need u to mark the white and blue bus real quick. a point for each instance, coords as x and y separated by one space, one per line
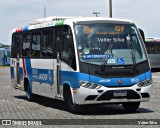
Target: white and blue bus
4 57
82 61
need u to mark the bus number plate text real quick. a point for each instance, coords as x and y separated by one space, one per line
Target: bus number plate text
120 93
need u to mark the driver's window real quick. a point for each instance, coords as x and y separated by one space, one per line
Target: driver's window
67 51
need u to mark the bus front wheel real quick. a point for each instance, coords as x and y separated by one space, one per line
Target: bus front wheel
68 99
131 106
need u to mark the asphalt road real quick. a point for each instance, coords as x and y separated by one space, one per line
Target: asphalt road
14 106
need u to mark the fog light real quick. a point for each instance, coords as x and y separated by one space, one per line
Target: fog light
74 91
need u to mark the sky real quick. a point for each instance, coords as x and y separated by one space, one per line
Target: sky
17 13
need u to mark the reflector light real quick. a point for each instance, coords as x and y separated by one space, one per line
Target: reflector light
19 29
25 28
74 91
155 41
119 81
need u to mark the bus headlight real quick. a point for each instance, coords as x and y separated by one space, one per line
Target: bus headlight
89 85
145 83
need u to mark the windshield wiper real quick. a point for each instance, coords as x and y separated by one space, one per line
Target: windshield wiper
106 56
132 52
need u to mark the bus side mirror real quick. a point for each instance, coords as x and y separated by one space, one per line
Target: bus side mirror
142 34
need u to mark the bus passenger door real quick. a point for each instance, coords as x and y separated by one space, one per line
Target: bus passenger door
65 57
16 61
17 71
57 63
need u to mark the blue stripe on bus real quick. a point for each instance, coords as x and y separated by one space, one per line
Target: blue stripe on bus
39 75
42 76
74 77
21 72
112 82
12 72
28 67
148 75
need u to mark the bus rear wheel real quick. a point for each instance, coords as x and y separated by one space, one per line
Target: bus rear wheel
29 93
131 106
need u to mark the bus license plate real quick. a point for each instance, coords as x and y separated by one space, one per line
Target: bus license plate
120 93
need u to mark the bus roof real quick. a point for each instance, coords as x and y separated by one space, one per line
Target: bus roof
151 39
56 21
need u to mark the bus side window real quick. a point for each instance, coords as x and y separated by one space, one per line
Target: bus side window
68 52
17 43
26 45
13 47
47 43
36 41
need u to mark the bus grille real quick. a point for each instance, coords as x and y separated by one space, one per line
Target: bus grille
117 72
108 95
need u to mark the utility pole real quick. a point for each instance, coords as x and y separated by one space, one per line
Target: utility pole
44 12
96 13
110 8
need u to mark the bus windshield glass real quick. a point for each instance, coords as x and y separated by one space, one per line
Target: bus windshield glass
109 44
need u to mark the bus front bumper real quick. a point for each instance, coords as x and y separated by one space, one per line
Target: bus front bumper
112 95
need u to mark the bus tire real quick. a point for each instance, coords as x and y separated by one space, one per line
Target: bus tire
73 108
29 93
131 106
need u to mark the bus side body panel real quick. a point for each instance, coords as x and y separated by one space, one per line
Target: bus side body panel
154 60
40 74
42 77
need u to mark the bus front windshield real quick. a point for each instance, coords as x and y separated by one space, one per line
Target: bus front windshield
109 44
